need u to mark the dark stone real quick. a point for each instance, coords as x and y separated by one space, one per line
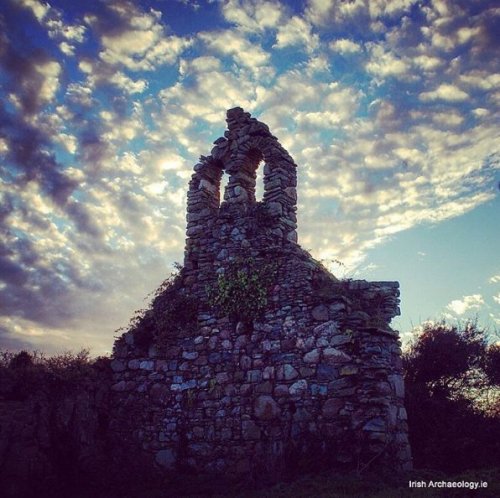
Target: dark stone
326 372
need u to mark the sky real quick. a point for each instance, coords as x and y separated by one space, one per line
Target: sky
390 109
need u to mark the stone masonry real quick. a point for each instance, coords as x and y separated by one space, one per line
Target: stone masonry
314 377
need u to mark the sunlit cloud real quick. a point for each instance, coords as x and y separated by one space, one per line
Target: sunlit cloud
390 110
467 303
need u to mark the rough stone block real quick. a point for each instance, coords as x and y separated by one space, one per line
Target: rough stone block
320 313
326 372
266 408
166 458
250 430
118 366
332 407
298 388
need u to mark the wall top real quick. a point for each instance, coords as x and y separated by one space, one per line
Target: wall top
247 144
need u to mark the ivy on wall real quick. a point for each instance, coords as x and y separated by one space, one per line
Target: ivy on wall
241 291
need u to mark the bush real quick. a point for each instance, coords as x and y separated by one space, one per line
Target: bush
172 312
23 374
452 391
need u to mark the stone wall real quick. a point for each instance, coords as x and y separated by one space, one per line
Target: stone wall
316 375
53 431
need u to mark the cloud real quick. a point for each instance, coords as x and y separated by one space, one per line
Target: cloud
445 91
495 279
296 32
255 15
32 80
345 46
39 9
466 304
360 12
232 44
384 63
151 47
497 298
52 19
97 151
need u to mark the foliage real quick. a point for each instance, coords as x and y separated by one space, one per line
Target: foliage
23 374
492 364
172 311
452 398
241 291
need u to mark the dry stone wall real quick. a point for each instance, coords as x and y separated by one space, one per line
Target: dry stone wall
313 377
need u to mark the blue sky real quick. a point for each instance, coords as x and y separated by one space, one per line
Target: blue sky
390 109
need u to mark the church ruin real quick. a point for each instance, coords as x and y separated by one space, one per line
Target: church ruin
255 358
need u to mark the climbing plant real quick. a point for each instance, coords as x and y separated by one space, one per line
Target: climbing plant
242 290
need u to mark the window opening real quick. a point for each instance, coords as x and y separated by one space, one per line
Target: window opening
224 182
259 182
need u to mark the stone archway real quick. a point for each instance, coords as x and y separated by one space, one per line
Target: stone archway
245 145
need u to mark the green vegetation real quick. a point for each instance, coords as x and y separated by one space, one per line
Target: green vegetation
242 291
172 312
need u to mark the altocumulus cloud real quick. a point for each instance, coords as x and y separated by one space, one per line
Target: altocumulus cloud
107 105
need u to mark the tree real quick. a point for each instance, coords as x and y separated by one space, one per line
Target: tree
452 381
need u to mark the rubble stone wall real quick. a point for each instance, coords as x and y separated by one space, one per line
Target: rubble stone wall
317 375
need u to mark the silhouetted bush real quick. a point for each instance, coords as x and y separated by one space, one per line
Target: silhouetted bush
22 374
452 398
172 312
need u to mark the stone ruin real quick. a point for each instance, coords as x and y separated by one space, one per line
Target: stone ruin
311 377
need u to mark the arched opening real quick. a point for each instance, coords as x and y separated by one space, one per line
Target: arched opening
224 184
259 181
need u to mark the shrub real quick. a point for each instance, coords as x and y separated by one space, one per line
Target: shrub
451 394
23 374
173 311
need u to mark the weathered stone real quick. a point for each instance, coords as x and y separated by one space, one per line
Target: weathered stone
312 356
250 430
118 366
298 388
133 364
166 458
320 313
289 372
332 407
334 356
339 340
281 390
254 376
326 372
265 408
327 329
375 424
349 370
268 373
397 384
319 389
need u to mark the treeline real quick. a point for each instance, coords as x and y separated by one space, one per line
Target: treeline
452 377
